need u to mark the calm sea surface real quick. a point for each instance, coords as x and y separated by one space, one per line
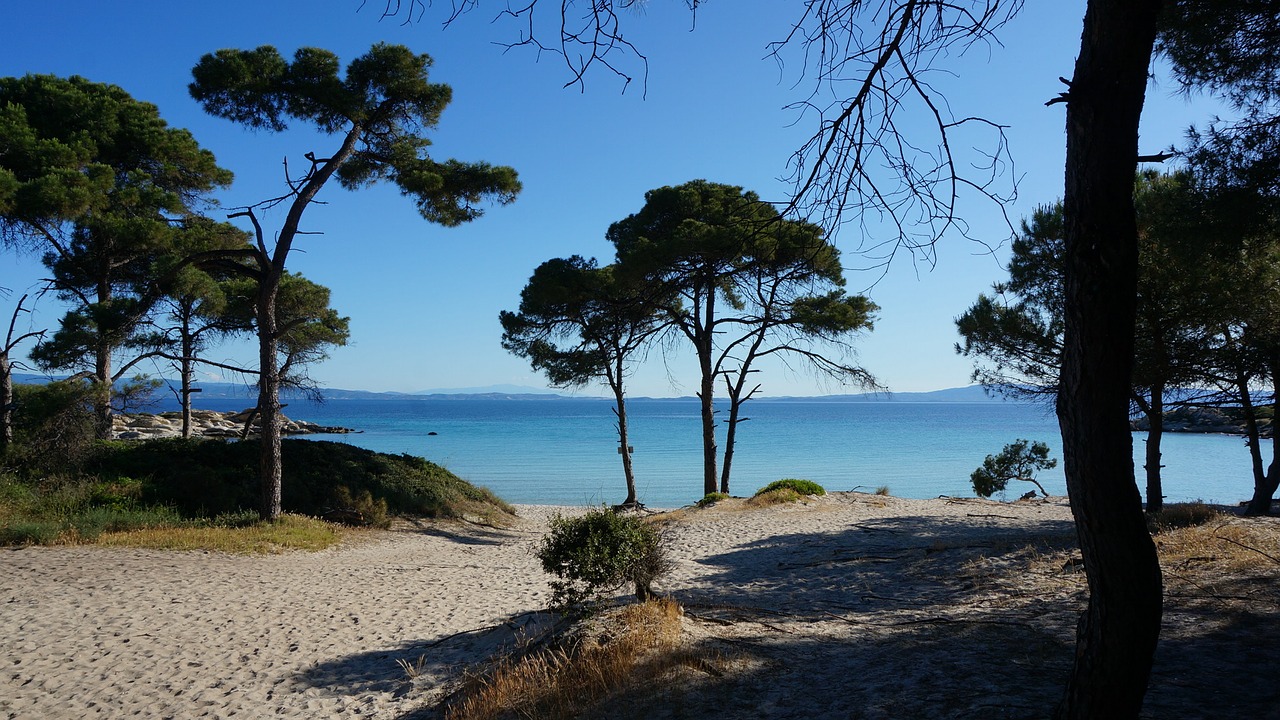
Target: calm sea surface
565 451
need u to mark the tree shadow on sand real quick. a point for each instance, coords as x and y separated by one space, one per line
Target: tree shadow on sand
424 669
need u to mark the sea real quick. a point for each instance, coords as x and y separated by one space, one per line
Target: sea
564 451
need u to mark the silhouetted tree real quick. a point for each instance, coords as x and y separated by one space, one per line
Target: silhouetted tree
578 323
379 112
743 283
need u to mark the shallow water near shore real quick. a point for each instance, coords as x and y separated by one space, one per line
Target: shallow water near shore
564 451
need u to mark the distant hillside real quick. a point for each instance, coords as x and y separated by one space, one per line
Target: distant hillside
973 393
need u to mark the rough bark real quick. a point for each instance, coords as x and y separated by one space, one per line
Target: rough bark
103 419
1117 634
270 466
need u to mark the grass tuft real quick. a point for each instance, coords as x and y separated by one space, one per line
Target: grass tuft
290 532
629 648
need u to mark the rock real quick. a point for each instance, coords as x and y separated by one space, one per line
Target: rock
207 424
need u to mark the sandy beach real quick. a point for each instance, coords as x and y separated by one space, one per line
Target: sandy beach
848 606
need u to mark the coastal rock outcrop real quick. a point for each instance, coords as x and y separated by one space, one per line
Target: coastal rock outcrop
207 424
1204 420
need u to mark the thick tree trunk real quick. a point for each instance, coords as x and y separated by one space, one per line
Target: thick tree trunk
269 462
1155 433
1117 634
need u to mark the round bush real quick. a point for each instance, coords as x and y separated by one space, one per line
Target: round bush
800 487
711 499
598 552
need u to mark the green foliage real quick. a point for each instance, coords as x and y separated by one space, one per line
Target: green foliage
598 552
218 477
176 482
385 103
360 509
69 508
800 487
1019 460
53 425
711 499
94 178
777 496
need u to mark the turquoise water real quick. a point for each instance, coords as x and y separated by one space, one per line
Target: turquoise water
565 451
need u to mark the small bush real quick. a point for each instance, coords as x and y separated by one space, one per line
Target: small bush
599 552
358 510
800 487
711 499
1181 515
883 490
780 496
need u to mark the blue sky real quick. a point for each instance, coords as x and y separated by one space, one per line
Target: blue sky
424 300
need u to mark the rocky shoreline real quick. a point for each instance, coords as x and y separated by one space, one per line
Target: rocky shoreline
1204 420
209 424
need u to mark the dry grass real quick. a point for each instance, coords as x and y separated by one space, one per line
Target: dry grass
774 497
1229 545
290 532
616 652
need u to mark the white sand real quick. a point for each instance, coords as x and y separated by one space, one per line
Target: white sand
821 594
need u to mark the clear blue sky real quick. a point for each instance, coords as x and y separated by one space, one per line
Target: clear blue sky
424 300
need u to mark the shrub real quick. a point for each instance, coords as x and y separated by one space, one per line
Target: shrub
217 477
799 487
1181 515
883 490
599 552
711 498
778 496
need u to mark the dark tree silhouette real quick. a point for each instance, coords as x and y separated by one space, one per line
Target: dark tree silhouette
379 111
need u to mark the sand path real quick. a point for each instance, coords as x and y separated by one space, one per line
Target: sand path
106 632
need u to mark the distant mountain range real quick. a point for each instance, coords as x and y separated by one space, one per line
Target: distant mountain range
972 393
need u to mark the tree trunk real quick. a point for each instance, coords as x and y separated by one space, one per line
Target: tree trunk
1251 429
730 437
1264 489
1155 433
706 393
103 420
624 447
187 370
269 462
6 403
1117 634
